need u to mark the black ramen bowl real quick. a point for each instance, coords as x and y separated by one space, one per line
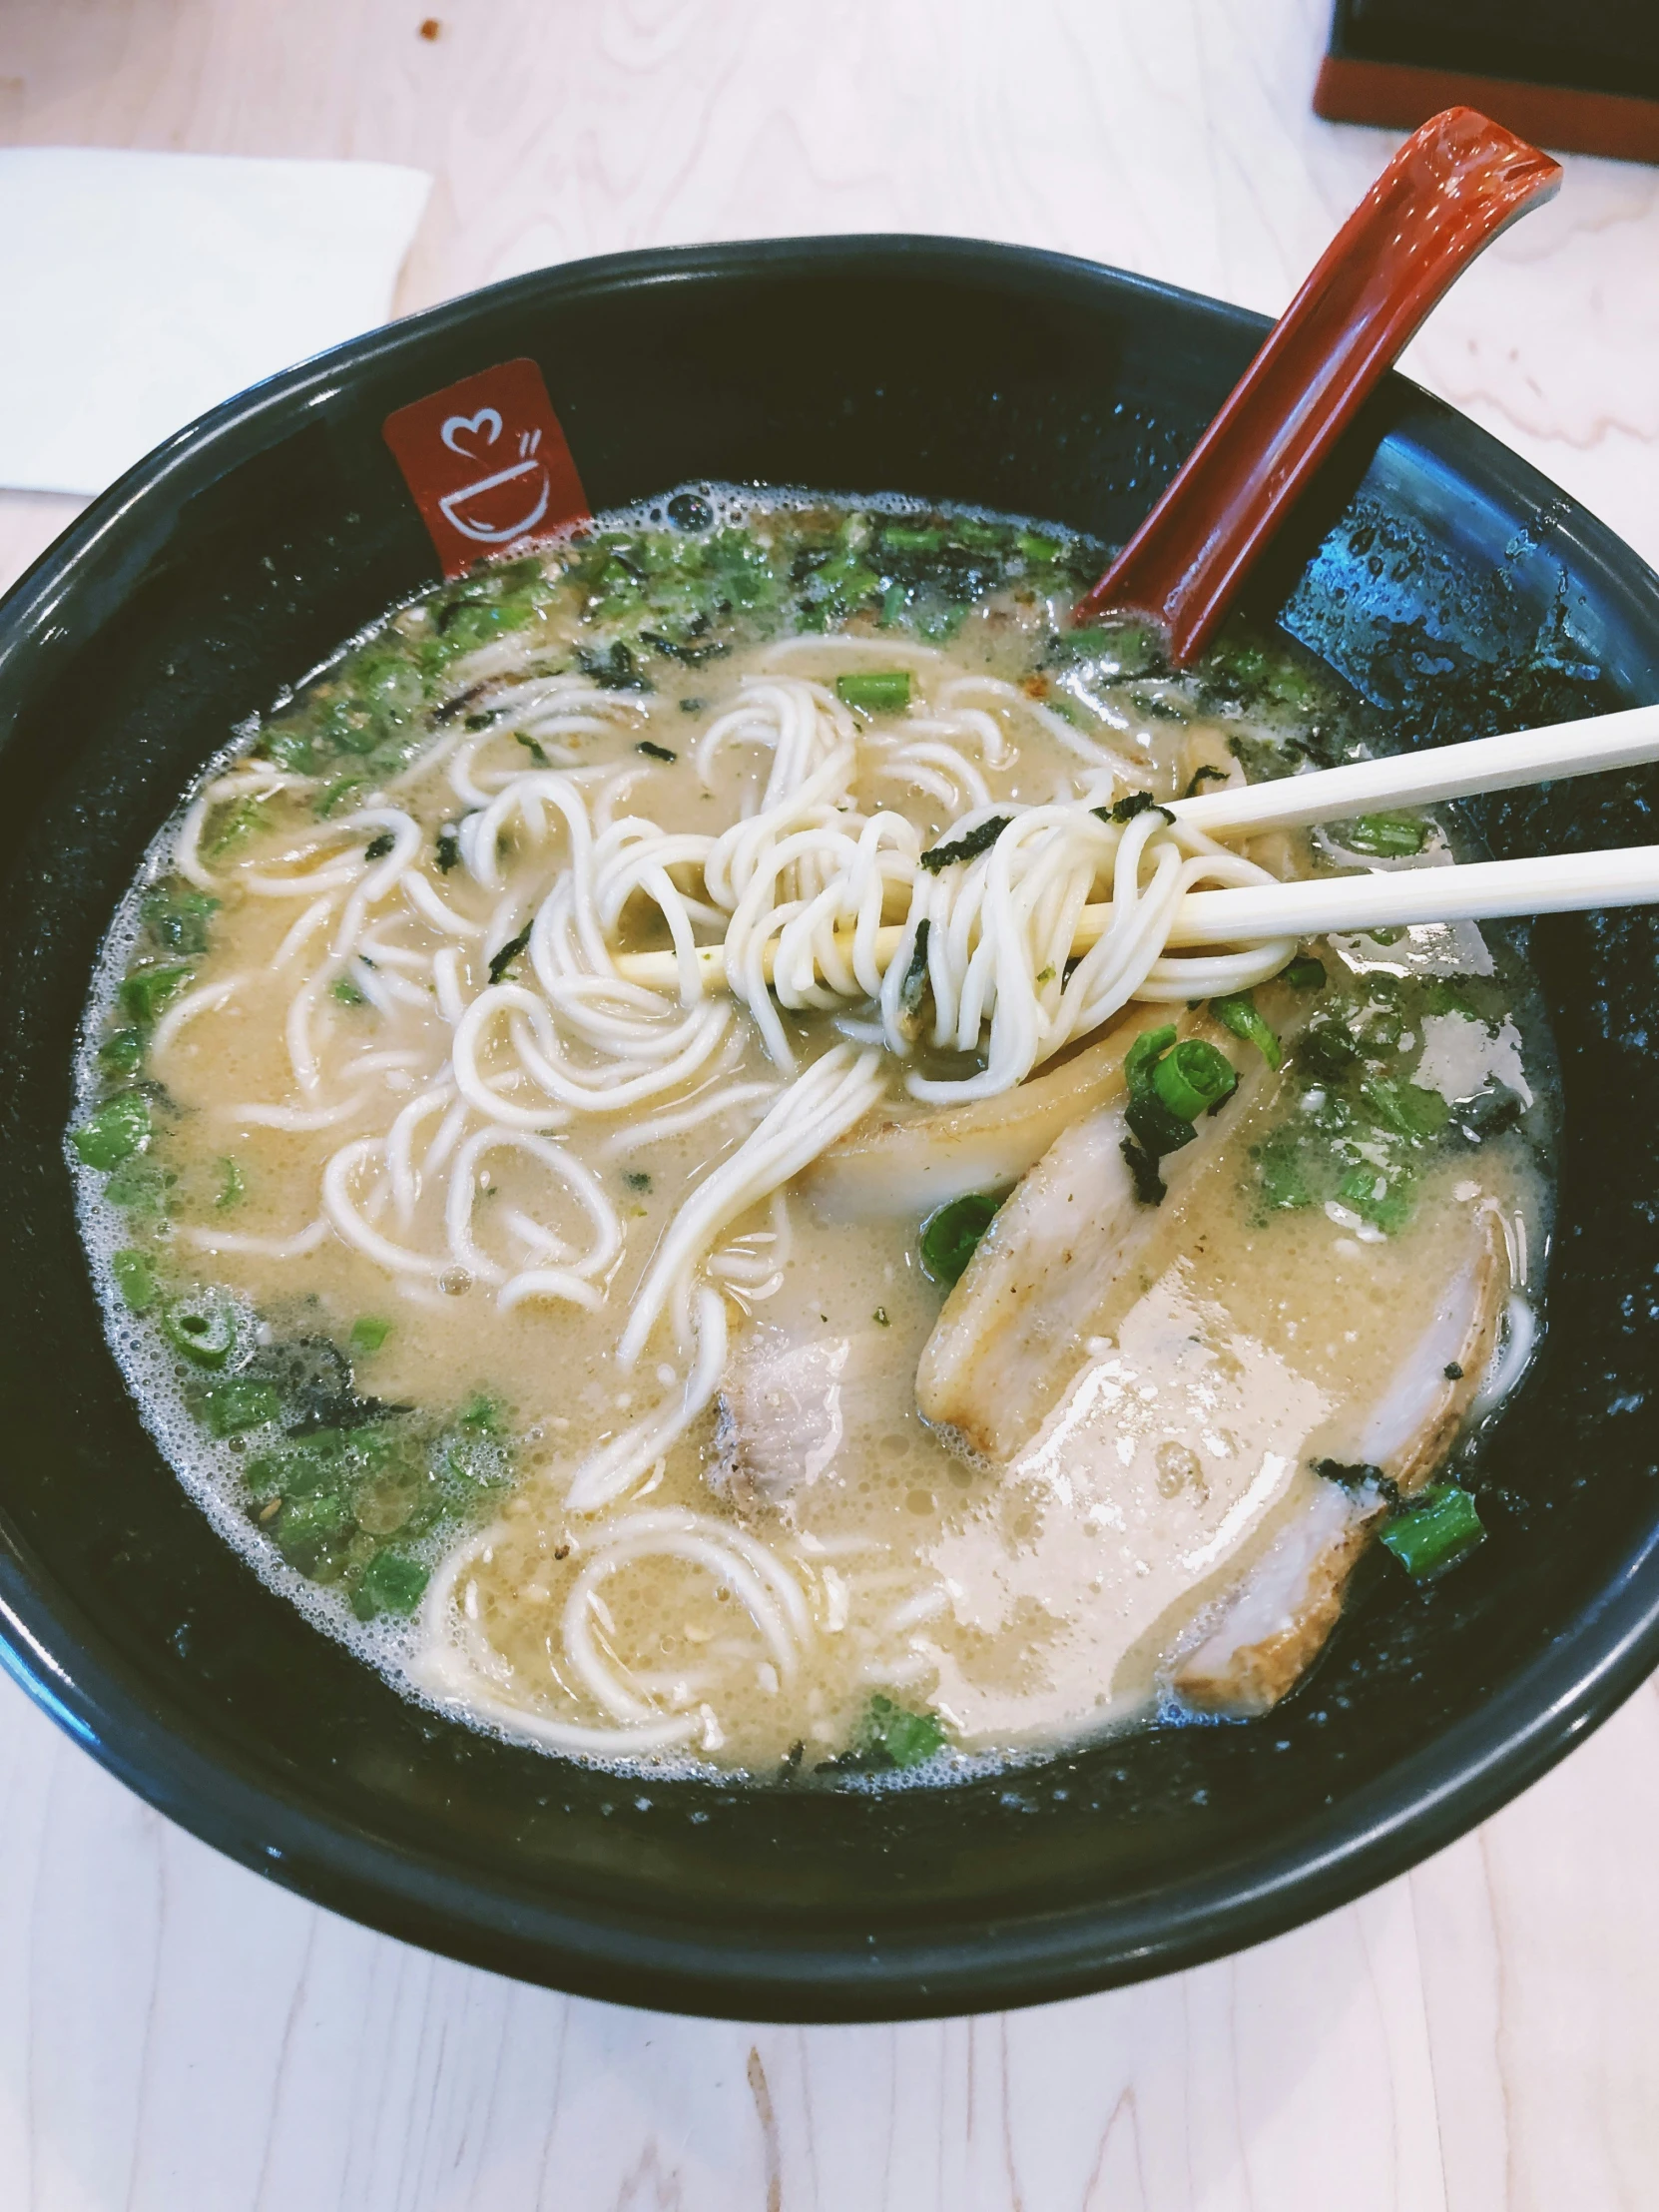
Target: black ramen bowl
1439 574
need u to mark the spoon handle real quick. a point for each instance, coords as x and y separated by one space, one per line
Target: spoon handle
1450 189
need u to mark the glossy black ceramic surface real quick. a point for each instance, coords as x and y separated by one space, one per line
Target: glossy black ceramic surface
1439 574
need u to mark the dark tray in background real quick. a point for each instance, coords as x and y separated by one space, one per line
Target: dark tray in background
1582 78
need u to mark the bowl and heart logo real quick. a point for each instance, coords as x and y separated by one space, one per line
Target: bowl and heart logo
487 463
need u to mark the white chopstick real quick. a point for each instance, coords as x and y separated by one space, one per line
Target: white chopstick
1562 749
1321 905
1478 891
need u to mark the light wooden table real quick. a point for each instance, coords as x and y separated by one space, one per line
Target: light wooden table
179 2037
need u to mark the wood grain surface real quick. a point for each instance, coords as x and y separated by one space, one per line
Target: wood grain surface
176 2035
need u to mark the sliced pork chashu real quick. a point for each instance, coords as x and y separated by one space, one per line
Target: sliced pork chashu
787 1400
1163 1512
1054 1263
905 1164
1267 1631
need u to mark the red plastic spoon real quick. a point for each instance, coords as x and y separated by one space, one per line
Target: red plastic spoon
1449 192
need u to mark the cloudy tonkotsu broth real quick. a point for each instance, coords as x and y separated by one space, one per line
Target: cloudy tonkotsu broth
626 1361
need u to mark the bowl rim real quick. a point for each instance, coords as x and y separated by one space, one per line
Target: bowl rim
55 1652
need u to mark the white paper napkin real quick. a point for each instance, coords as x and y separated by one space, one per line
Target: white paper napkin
139 290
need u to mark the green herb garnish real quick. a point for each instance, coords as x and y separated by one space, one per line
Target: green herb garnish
913 988
503 960
968 845
1207 774
950 1236
1129 805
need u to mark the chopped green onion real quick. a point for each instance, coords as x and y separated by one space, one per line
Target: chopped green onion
1123 649
119 1128
147 990
892 1734
1139 1060
305 1525
1441 1528
390 1584
1383 836
139 1186
136 1281
231 1188
202 1326
1282 1170
178 919
902 538
1193 1078
1385 1200
1407 1108
950 1237
230 1408
347 992
1239 1014
1305 974
234 827
122 1051
368 1332
877 691
448 848
1328 1051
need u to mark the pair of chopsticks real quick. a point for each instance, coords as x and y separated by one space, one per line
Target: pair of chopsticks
1478 891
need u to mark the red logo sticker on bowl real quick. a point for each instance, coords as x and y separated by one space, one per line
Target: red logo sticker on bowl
487 463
